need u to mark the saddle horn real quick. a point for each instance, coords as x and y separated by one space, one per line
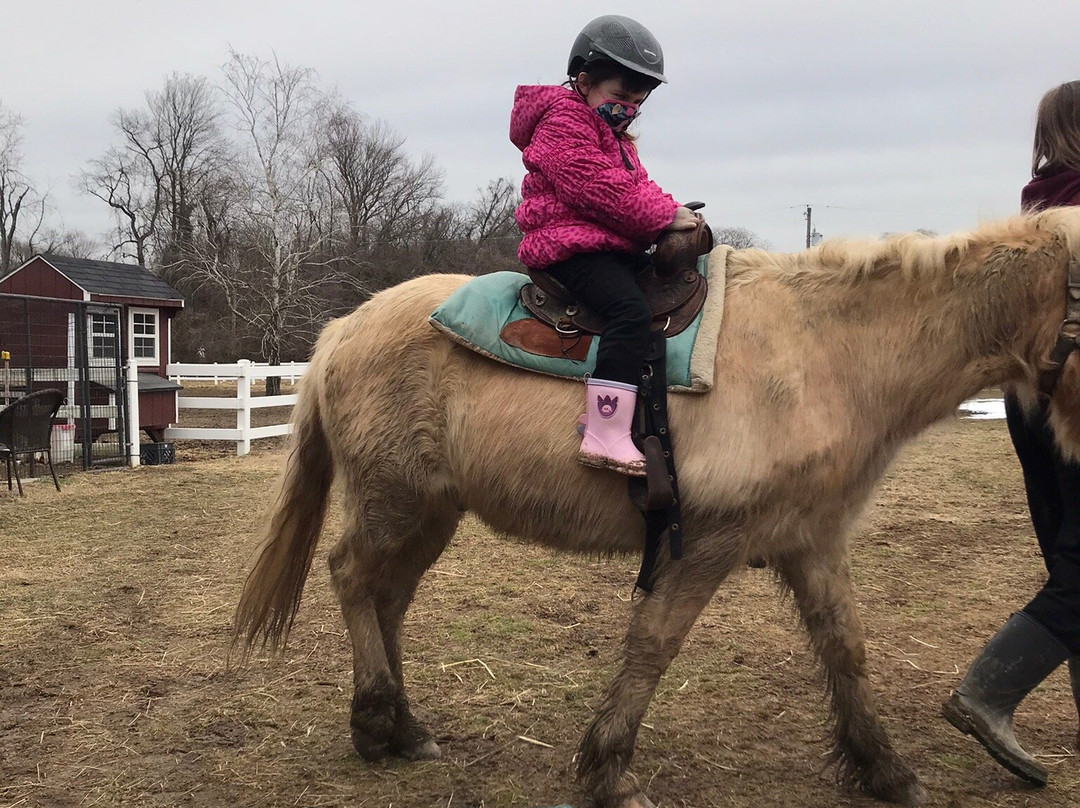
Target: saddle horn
678 250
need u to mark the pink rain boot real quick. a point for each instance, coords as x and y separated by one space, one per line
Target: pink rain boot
609 410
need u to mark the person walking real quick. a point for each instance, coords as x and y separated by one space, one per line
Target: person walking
1046 632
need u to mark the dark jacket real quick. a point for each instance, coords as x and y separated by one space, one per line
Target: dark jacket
1052 483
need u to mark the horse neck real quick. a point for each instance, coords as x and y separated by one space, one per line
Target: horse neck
981 319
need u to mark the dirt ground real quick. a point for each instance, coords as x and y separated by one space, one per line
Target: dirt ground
116 600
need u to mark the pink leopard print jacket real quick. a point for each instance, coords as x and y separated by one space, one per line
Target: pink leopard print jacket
579 195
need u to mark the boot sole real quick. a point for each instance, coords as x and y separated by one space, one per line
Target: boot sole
596 462
970 724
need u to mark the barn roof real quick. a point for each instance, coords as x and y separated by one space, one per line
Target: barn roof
113 278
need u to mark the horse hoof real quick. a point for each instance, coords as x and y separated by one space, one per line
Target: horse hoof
369 749
371 725
895 783
912 797
428 750
907 792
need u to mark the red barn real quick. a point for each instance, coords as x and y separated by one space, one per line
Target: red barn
134 322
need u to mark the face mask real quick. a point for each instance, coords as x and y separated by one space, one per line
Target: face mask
617 114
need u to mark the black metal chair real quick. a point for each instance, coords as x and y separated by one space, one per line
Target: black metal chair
26 429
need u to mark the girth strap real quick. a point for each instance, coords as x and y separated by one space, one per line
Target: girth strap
666 519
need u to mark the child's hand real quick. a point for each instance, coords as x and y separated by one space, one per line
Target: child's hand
685 219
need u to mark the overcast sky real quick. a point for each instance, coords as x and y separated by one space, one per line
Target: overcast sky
881 116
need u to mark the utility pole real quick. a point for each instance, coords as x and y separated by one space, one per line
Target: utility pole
812 235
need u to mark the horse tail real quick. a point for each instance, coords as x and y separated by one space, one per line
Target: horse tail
271 595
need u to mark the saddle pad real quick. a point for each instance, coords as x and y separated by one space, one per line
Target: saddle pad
476 313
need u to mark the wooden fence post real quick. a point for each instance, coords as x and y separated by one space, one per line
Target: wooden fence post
243 414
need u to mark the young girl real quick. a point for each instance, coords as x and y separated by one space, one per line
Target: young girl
589 211
1039 637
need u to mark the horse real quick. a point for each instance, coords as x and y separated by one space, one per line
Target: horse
827 362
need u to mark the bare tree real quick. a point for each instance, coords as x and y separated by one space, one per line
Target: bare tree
491 215
17 196
129 187
740 238
265 248
274 106
273 206
169 150
490 230
381 191
62 241
185 121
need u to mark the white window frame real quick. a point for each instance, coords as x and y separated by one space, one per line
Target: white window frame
144 360
111 316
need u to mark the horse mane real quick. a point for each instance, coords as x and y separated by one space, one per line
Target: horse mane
914 257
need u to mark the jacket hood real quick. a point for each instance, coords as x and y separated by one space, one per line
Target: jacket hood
531 103
1052 190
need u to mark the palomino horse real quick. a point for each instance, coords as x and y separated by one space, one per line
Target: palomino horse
827 362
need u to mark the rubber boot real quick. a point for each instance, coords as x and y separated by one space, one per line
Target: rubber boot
1074 675
609 412
1016 659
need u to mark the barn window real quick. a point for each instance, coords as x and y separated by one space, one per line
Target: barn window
144 336
103 335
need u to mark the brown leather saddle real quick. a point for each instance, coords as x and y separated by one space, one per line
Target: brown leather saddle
671 282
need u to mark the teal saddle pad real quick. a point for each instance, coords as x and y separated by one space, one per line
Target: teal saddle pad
476 313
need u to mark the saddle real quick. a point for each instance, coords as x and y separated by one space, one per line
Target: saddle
673 287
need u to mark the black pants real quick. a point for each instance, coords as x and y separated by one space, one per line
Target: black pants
605 283
1053 494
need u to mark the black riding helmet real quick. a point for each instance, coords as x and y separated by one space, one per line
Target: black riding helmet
622 40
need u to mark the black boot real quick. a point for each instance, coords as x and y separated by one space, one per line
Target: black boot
1016 659
1074 675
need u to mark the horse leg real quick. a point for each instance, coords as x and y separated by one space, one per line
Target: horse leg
659 625
410 740
861 747
375 569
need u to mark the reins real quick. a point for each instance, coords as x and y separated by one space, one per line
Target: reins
1068 339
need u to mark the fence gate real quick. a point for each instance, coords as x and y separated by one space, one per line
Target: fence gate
77 347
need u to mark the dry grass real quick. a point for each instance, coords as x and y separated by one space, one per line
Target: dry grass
117 595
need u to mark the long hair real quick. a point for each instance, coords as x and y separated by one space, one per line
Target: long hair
1057 131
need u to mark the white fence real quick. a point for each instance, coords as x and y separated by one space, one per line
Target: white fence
291 371
243 403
